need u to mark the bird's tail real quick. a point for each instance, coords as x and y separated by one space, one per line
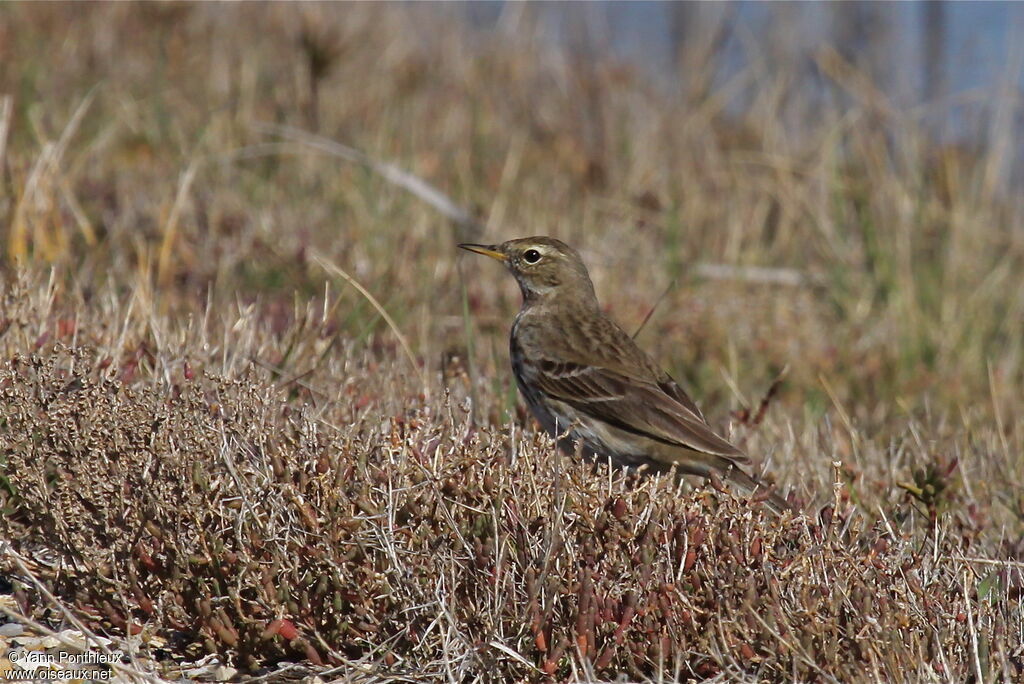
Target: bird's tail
702 464
760 491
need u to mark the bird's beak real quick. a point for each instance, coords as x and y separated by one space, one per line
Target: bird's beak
486 250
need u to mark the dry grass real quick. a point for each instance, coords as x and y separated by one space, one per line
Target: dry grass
222 450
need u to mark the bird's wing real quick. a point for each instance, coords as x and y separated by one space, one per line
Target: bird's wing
672 388
636 405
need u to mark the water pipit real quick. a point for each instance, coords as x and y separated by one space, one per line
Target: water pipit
591 387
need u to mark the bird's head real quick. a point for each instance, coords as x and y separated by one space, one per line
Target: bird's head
544 267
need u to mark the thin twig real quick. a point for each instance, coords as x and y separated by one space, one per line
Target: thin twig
653 307
974 633
753 419
6 113
513 654
163 269
338 271
296 378
843 415
793 646
988 561
389 172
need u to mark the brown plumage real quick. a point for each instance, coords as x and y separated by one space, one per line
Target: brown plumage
588 383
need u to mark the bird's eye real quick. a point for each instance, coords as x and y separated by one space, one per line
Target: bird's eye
531 256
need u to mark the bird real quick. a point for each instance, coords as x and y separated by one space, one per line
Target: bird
592 388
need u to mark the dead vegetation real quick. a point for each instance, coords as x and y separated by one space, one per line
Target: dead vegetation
204 442
405 541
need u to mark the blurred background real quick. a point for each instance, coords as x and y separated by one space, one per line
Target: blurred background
828 187
943 56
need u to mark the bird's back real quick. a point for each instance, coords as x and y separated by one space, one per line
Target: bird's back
599 341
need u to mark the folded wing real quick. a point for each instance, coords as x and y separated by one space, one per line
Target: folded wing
658 410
